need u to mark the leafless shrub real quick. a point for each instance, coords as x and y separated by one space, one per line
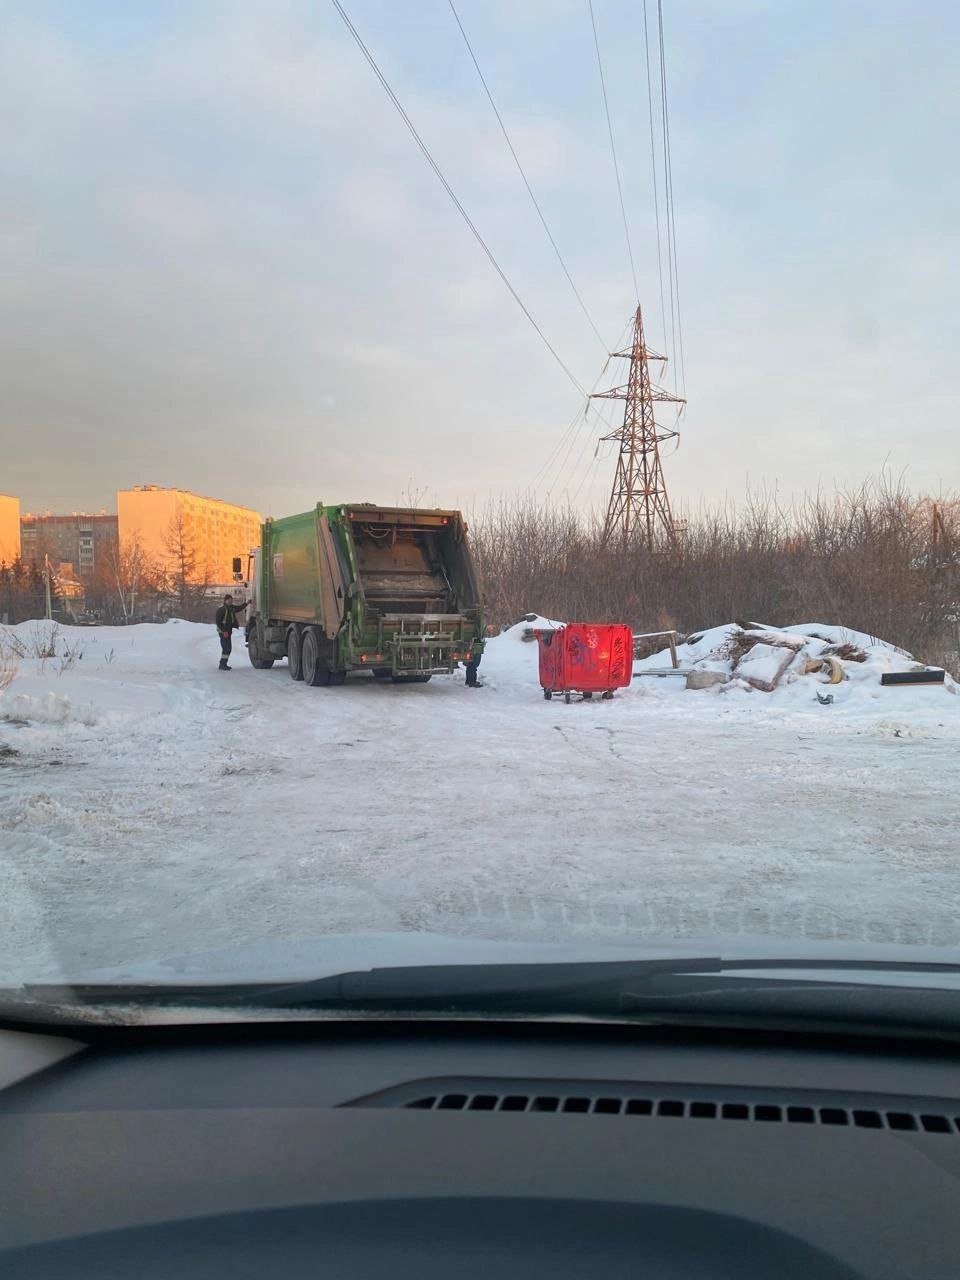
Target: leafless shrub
8 671
42 643
866 558
69 657
11 646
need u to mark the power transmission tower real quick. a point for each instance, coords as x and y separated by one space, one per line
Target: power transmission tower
639 507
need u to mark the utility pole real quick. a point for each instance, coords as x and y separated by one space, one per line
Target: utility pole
46 586
639 509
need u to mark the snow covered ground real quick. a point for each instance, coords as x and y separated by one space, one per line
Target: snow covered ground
151 806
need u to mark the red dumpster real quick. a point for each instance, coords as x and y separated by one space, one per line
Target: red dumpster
585 657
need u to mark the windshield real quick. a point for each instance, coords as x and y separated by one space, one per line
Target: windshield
478 491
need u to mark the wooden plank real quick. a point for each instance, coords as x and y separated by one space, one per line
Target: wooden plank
913 677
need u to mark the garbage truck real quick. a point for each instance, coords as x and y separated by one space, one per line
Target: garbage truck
364 588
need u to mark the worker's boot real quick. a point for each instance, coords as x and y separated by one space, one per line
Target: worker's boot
223 665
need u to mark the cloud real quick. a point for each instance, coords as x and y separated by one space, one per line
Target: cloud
226 261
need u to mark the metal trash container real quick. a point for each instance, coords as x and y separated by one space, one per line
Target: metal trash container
586 658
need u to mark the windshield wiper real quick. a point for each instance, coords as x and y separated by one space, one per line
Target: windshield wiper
698 989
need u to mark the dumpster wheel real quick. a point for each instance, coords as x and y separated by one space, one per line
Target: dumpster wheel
548 694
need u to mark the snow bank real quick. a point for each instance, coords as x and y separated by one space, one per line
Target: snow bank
792 662
511 658
761 666
50 709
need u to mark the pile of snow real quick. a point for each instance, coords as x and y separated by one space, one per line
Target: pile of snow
789 666
776 658
82 676
511 658
23 708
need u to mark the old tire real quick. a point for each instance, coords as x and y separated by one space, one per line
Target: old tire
253 653
294 654
315 669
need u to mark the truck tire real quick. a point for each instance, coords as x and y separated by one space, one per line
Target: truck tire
253 652
294 654
313 662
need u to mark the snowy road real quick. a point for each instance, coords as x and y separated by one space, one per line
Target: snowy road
155 806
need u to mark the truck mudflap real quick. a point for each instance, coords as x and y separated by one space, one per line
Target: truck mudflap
428 643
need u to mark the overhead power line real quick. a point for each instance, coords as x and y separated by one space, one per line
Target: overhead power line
670 207
653 168
613 151
526 182
572 432
372 63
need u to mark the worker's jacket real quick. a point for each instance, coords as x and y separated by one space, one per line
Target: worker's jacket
226 618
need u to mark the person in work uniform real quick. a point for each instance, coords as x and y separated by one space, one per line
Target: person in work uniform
473 665
227 623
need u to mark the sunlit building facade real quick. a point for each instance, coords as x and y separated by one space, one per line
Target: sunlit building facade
9 529
214 532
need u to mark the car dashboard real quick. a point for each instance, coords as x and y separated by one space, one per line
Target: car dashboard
444 1148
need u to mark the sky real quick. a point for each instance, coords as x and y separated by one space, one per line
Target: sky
225 266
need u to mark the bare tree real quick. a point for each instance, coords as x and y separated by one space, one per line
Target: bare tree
127 577
188 575
872 558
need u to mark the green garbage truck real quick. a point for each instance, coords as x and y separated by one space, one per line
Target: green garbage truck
364 588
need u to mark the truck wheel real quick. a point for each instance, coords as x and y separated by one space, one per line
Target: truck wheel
315 670
294 654
253 653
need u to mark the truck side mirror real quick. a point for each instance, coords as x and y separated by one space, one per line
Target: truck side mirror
237 567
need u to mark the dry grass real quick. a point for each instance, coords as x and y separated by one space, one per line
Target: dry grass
846 652
864 559
8 672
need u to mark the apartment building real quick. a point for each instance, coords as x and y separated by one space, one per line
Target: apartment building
215 531
9 529
81 539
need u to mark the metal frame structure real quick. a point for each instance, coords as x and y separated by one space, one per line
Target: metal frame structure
639 507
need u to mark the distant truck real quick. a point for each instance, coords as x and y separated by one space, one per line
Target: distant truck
364 588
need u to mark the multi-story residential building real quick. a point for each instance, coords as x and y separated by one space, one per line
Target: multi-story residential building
82 540
215 532
9 529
